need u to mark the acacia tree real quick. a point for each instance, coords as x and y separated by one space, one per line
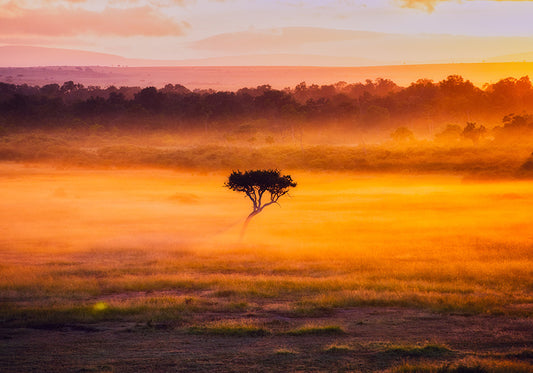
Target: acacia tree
255 183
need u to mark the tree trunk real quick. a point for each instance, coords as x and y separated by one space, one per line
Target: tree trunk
246 222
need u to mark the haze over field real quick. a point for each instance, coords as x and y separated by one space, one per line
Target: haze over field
266 186
352 270
233 78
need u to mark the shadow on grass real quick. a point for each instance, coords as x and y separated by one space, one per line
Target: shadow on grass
427 351
483 366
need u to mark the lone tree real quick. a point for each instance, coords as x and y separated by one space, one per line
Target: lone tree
255 183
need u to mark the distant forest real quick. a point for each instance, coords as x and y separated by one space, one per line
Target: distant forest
448 107
449 126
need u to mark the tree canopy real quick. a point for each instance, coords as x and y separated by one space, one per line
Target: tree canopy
256 183
372 104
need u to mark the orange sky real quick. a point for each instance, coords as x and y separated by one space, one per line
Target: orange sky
367 31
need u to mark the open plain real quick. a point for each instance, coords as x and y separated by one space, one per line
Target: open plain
126 270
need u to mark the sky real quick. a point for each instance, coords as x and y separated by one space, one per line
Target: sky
373 31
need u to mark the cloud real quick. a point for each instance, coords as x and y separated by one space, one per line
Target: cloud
69 21
429 5
156 3
46 40
39 3
280 40
59 2
109 2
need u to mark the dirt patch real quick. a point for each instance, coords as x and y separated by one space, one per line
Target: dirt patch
369 332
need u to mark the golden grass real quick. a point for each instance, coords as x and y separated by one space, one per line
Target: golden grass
163 245
319 151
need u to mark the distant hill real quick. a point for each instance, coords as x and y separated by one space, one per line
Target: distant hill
279 59
25 56
518 57
29 56
295 46
235 77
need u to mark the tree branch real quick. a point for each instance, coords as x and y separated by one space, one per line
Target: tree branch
252 198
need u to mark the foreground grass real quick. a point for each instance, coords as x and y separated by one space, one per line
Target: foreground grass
230 329
427 351
430 243
338 349
473 366
317 284
175 285
316 330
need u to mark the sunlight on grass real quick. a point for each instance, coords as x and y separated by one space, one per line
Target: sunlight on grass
316 330
285 352
338 349
100 306
341 241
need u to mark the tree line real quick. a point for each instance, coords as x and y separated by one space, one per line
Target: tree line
373 104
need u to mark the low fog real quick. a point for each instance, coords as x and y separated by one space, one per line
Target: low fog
51 210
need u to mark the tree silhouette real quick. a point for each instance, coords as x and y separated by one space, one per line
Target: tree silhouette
255 183
402 135
474 133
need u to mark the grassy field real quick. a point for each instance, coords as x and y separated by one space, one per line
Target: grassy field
129 269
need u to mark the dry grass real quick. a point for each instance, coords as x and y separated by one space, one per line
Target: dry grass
218 153
158 245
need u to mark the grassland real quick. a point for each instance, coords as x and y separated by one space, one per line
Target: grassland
222 151
130 269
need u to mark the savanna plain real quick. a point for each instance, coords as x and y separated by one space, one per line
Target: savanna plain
142 269
406 246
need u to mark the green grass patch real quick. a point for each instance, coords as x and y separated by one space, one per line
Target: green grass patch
48 316
430 351
230 329
285 352
437 301
316 330
338 349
